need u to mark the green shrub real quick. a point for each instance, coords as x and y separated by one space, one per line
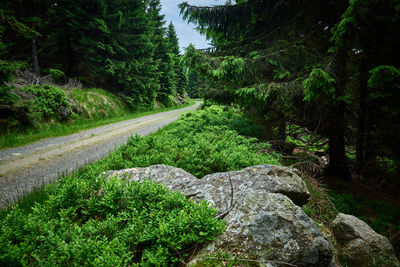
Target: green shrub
199 143
88 219
217 115
57 75
106 222
7 69
46 103
7 96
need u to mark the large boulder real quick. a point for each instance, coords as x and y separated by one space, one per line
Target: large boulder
259 205
360 245
270 228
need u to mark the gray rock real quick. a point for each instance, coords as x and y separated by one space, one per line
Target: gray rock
270 228
64 112
173 178
264 223
360 245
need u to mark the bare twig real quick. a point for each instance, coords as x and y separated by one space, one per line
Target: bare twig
222 215
191 195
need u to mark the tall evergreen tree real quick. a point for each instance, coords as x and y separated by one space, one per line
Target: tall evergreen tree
164 74
25 21
119 45
180 74
364 36
262 50
277 57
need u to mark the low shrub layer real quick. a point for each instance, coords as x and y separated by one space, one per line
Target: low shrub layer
203 142
89 219
32 105
107 223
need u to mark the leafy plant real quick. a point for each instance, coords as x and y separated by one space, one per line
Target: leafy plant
57 75
319 84
88 218
101 221
7 69
202 142
46 103
7 96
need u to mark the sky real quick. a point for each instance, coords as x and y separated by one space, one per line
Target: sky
186 33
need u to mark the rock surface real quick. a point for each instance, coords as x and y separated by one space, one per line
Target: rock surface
360 245
263 221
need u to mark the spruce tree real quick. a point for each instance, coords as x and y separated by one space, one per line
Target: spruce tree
164 72
311 63
179 69
262 51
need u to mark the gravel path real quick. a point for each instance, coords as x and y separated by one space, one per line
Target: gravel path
24 168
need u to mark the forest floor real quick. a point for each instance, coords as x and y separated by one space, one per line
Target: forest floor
23 169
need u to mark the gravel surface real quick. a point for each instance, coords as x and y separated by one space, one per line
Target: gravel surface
24 168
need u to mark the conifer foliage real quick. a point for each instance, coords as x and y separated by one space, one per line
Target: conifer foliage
330 67
118 45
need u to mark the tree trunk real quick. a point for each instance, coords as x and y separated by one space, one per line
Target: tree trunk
68 55
282 129
360 142
35 59
338 165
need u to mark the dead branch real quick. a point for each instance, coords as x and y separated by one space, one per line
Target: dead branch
191 195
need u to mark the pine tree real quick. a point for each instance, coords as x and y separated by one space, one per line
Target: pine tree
310 63
364 36
25 24
164 72
196 83
118 45
262 50
180 74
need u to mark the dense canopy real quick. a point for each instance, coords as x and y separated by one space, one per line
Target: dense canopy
312 64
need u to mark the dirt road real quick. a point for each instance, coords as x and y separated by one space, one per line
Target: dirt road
24 168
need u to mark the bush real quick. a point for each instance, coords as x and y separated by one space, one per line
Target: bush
38 104
7 69
89 219
46 103
109 222
57 75
7 96
201 143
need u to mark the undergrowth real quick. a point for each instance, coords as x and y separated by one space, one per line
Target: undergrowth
202 142
87 218
383 217
107 222
96 107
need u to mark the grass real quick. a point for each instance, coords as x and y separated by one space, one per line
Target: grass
30 135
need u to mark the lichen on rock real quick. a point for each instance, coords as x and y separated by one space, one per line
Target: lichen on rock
360 245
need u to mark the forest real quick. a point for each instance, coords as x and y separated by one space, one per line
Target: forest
124 46
310 84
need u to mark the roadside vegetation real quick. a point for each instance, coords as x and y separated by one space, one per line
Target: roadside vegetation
89 218
321 81
39 112
212 139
